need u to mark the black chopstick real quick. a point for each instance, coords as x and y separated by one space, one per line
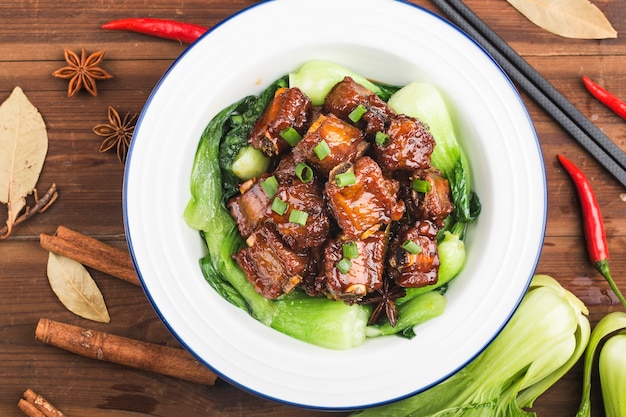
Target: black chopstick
588 135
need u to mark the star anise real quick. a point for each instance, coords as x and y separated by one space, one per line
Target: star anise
118 132
385 301
82 72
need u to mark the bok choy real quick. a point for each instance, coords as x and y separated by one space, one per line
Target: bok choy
612 366
545 337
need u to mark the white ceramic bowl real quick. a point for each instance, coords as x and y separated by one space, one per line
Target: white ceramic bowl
390 41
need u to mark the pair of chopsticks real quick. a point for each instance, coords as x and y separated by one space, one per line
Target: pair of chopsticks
588 135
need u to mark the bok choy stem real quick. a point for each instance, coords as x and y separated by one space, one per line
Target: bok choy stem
610 323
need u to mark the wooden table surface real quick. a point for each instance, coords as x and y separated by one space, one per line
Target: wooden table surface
33 35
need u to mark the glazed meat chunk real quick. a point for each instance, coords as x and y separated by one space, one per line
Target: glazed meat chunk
250 207
289 108
347 95
285 172
435 204
269 264
306 198
415 269
370 202
337 141
365 273
409 146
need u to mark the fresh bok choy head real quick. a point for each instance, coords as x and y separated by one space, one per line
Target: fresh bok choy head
545 337
612 365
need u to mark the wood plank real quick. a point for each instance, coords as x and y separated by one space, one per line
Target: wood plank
32 38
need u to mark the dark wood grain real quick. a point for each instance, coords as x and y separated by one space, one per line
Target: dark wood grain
32 37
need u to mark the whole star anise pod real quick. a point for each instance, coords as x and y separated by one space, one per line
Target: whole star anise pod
82 72
117 133
385 301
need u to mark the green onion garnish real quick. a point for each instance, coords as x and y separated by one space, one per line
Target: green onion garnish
279 206
345 178
350 250
270 186
298 217
411 247
290 135
304 172
356 114
322 150
344 265
381 138
421 186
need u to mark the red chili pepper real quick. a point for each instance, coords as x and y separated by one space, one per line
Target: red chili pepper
605 97
162 28
593 224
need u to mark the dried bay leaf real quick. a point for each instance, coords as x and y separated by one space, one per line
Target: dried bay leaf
76 289
578 19
23 148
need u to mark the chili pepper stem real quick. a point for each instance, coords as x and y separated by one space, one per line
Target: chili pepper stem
603 267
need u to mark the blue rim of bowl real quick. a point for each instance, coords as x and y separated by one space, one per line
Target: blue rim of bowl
279 400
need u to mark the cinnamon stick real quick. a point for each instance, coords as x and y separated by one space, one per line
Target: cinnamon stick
29 409
90 252
98 345
34 405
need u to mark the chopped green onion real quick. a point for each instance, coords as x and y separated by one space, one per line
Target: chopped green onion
270 186
421 186
290 135
345 178
356 114
322 150
411 247
304 172
279 206
381 138
344 265
350 250
298 217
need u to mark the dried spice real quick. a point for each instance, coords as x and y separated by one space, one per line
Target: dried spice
76 289
117 133
579 19
82 72
385 302
23 149
41 204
